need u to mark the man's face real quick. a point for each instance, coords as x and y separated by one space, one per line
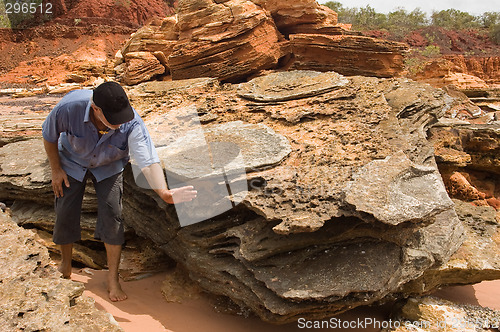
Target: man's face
100 116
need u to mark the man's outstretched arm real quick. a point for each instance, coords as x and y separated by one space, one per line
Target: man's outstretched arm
156 180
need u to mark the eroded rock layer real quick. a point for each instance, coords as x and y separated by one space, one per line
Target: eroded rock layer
354 214
339 205
233 40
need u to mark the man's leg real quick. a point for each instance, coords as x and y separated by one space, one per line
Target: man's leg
66 258
67 224
115 291
109 228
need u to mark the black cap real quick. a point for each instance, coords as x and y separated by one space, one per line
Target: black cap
113 101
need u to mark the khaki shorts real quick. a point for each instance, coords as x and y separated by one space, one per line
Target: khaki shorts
109 227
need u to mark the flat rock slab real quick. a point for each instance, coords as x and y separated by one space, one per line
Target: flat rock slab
290 85
395 190
231 148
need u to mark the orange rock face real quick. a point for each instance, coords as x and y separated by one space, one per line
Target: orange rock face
348 55
467 156
229 41
486 68
305 16
463 72
235 40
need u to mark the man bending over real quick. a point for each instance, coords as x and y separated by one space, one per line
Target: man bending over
90 134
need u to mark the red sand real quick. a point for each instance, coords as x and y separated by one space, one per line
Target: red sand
147 310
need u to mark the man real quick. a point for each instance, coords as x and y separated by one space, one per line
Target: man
89 134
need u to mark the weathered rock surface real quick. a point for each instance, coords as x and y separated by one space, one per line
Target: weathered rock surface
33 296
233 40
141 66
256 145
467 155
26 174
301 16
291 85
406 197
348 55
463 71
308 239
430 314
229 40
471 261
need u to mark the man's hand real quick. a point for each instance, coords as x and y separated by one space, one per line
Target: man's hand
179 195
58 174
59 177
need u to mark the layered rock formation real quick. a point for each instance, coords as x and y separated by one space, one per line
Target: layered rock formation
33 295
232 40
346 54
467 155
465 72
356 213
340 203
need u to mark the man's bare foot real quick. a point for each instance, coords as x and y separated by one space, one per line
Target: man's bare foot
115 291
65 269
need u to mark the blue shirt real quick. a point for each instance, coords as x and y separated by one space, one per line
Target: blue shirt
81 149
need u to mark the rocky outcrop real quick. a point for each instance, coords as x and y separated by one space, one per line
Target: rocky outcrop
467 155
348 55
33 296
486 68
141 66
325 229
465 72
154 42
340 203
235 40
229 40
301 16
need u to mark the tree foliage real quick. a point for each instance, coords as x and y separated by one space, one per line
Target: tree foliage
454 19
399 22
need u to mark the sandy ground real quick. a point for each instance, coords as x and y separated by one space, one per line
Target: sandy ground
147 309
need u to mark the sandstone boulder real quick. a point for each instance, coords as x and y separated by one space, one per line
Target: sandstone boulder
307 238
301 16
323 230
142 66
348 55
230 40
158 38
237 39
